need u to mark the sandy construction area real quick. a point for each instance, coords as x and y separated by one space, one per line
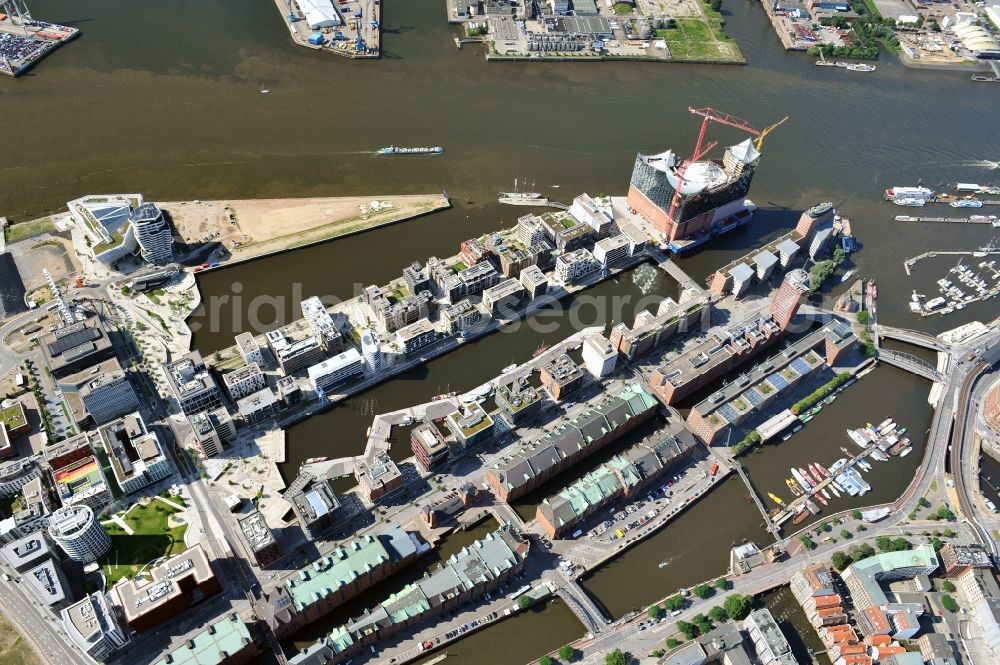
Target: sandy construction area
252 227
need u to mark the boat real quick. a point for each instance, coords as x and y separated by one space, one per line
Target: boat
509 368
662 565
878 455
793 487
864 465
906 218
918 192
887 429
910 201
835 490
945 198
821 469
806 418
542 348
815 474
901 431
805 474
845 451
316 460
819 497
812 507
826 493
857 438
264 90
397 150
800 517
883 423
776 499
906 451
860 67
847 275
966 203
805 484
816 409
438 398
874 514
523 199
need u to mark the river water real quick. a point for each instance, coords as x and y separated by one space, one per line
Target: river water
162 98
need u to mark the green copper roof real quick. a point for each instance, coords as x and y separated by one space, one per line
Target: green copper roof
211 646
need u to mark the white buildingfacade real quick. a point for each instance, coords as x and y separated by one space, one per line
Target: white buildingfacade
76 529
152 231
109 396
249 349
610 250
244 381
92 625
599 357
334 371
571 266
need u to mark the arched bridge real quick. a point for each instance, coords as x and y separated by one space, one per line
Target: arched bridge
911 337
911 363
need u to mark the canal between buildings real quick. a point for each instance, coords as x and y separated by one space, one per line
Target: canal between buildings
163 99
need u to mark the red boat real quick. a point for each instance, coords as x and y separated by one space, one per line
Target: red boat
819 497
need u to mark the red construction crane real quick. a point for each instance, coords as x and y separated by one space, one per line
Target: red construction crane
700 149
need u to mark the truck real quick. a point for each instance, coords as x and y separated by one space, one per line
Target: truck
714 470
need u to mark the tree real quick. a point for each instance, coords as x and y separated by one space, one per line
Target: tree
655 612
937 543
807 542
923 502
864 317
686 628
862 551
943 513
524 602
545 660
861 527
722 584
702 591
856 514
673 642
674 603
840 560
616 657
884 543
948 603
567 653
737 607
717 614
900 544
845 534
703 624
948 586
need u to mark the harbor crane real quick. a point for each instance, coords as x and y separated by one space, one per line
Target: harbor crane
701 148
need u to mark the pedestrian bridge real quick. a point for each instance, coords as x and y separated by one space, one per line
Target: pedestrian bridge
911 364
911 337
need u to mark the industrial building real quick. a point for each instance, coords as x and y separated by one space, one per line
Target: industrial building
78 532
465 576
317 589
313 502
177 583
137 459
573 439
192 384
76 347
623 477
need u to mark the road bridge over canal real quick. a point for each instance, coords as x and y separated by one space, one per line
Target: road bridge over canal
911 364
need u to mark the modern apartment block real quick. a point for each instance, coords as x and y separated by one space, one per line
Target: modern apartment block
561 377
310 593
108 396
321 325
471 425
258 407
461 316
76 347
518 401
244 381
957 558
624 476
136 457
590 212
599 356
573 439
193 385
327 375
428 446
211 429
177 583
611 250
78 532
17 473
573 266
28 551
248 349
153 234
534 282
377 476
76 471
415 336
91 624
294 355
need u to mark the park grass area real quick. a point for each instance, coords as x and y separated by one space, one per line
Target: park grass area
623 8
152 539
24 230
700 39
14 649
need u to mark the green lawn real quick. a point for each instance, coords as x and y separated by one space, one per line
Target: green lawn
623 8
11 417
24 230
152 539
